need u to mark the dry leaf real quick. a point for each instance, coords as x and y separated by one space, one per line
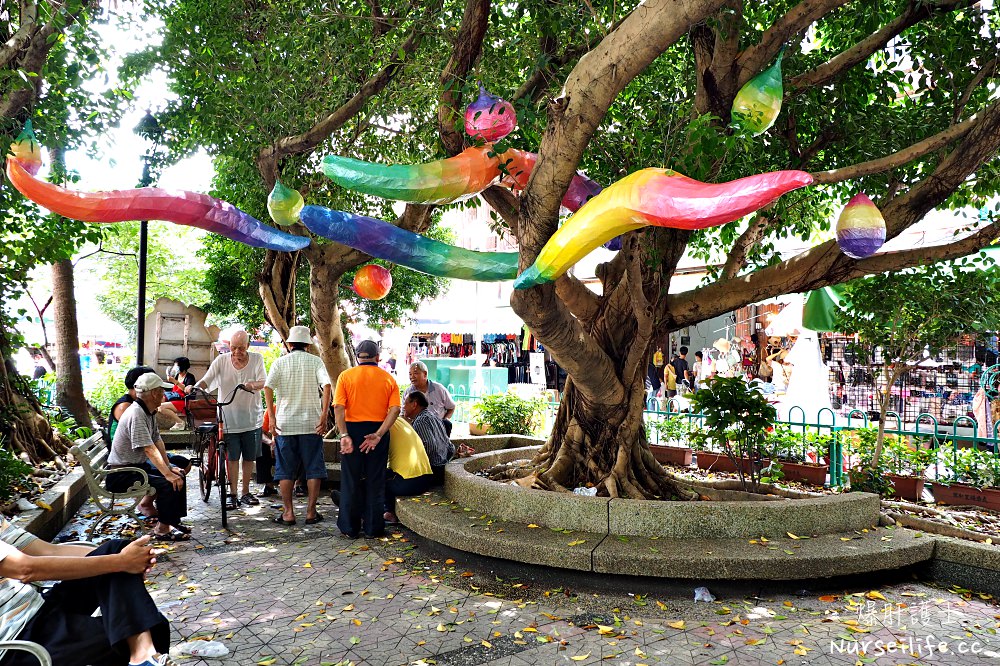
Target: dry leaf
677 625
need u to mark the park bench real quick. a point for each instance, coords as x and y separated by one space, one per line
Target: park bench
92 454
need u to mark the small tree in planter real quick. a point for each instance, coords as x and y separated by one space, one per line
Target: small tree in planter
905 466
737 418
509 414
924 308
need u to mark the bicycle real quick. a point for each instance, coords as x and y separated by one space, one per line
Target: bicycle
211 454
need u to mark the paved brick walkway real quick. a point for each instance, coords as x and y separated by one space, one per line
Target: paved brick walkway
305 596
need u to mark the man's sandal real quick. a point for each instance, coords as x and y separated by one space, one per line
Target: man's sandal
172 537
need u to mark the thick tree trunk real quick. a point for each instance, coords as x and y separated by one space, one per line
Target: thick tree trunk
324 285
25 429
69 379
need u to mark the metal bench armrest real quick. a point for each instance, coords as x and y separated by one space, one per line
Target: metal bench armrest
40 653
115 470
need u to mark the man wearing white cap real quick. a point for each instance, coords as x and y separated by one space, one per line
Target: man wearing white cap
137 443
298 418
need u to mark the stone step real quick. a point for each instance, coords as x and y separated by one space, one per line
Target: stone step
434 516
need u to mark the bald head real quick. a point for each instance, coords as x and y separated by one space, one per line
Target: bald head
239 339
239 345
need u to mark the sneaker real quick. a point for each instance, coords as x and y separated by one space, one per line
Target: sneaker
300 491
178 426
231 503
268 491
156 660
249 500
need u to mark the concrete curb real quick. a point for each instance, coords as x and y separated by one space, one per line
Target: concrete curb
65 498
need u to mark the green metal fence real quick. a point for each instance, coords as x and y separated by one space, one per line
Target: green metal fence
832 429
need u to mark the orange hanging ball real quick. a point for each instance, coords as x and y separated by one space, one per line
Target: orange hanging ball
372 282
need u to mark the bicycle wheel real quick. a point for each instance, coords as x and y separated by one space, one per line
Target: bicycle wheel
221 460
206 460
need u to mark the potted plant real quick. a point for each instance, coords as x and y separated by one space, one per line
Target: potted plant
905 466
672 447
736 420
792 450
976 480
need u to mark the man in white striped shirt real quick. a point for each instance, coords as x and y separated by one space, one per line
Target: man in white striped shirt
130 630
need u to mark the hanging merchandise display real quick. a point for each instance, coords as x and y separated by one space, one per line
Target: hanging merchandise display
861 228
145 203
758 103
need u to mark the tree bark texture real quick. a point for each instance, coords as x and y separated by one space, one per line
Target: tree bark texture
69 378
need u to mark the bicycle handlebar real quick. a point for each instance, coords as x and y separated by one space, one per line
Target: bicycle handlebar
213 399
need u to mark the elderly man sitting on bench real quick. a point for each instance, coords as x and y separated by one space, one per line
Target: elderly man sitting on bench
130 629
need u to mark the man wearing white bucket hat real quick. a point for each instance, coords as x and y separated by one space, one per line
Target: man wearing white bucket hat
299 419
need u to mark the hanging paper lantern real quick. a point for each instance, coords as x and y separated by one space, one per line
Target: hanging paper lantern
758 103
489 117
284 204
372 282
861 228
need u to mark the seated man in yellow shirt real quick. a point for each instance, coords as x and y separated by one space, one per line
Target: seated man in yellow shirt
410 470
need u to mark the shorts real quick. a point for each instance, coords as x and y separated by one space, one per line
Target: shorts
293 451
244 445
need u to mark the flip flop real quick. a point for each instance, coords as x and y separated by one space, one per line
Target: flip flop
281 520
318 518
183 529
172 537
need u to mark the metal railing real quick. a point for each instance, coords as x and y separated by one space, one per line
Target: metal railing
829 436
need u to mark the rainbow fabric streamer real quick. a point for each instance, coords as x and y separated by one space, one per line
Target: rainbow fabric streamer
489 118
657 197
148 203
860 228
443 181
390 243
758 103
450 180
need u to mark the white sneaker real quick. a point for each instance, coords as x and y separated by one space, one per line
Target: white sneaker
178 426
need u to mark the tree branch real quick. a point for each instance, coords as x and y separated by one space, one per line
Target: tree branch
916 11
580 300
269 158
899 158
755 232
801 16
986 71
468 46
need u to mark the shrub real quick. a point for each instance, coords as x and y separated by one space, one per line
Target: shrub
509 414
14 473
110 386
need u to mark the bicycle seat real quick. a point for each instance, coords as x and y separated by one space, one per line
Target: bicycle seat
206 428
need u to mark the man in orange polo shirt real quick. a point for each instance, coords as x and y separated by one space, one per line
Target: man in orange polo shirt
366 404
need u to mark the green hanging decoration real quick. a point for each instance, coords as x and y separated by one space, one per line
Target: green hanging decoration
758 103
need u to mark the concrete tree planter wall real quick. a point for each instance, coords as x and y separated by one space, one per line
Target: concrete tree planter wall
674 455
907 487
961 494
811 473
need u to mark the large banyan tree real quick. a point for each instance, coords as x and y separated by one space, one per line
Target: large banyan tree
896 99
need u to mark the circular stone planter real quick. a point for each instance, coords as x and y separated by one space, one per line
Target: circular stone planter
744 516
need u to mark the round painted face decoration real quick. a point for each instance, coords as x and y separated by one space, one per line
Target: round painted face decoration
489 118
372 282
861 228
